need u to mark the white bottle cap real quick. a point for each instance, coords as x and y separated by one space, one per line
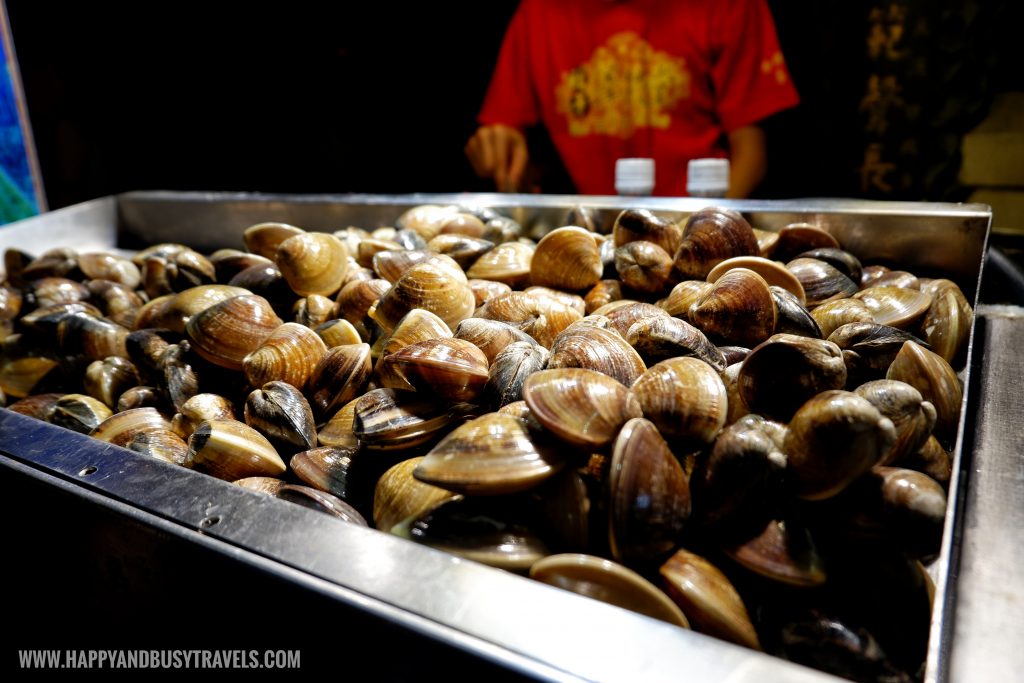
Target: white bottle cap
707 177
634 176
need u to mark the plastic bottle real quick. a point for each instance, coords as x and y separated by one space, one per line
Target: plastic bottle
634 177
707 177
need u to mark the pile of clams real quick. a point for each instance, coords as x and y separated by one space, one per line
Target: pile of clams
742 432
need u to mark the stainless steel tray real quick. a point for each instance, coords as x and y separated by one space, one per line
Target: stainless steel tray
513 624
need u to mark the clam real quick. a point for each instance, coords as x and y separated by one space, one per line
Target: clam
175 270
426 220
737 483
491 454
786 370
607 581
328 468
267 485
280 412
832 315
391 264
429 286
797 238
313 310
289 354
264 238
118 303
685 398
485 290
509 370
869 349
462 248
821 281
337 430
931 459
507 263
399 495
738 309
708 597
604 292
199 409
139 397
947 324
369 247
107 379
682 297
230 450
783 551
120 428
162 444
338 332
773 272
566 258
338 378
268 282
321 502
491 336
840 259
356 299
542 320
312 263
180 382
451 368
911 415
648 495
661 337
895 306
546 294
929 373
584 346
415 326
633 225
711 236
644 267
51 291
582 407
463 223
394 419
227 331
834 438
488 530
584 217
95 338
792 316
227 263
23 371
79 413
766 241
897 278
106 266
56 262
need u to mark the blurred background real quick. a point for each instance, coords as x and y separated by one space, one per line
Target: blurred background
368 97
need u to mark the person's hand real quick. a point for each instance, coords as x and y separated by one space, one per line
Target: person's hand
499 152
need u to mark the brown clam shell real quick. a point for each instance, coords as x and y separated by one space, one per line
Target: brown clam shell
312 263
584 346
644 267
399 495
227 331
508 263
929 373
566 258
773 272
451 368
640 224
711 236
430 286
662 337
264 238
782 552
289 354
339 377
685 398
230 450
583 407
895 306
649 495
492 454
738 309
912 416
281 413
786 370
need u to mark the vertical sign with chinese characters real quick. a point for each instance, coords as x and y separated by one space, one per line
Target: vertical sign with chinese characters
21 186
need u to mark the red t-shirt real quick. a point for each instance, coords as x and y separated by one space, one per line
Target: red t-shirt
640 78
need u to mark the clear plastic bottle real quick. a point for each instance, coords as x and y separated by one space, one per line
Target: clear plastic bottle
634 176
707 177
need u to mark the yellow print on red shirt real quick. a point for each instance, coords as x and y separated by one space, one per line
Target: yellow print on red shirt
625 85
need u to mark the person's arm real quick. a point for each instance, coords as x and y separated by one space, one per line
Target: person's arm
748 161
499 152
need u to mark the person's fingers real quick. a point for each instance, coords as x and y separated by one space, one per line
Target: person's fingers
499 147
517 163
479 157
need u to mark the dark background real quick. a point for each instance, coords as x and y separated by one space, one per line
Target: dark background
374 97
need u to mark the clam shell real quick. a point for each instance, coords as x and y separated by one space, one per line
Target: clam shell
281 413
604 292
399 495
105 380
556 296
509 371
930 374
773 272
834 438
684 398
312 263
507 263
227 331
119 428
682 298
607 581
704 593
711 236
105 266
491 336
428 286
947 324
492 454
566 258
661 337
485 290
542 320
321 501
640 224
648 495
797 238
738 309
912 416
338 378
644 267
583 407
782 552
786 370
821 281
198 409
313 310
289 354
264 238
895 306
832 315
230 450
391 264
415 326
338 332
337 430
462 248
79 413
453 369
585 346
327 468
392 419
624 313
